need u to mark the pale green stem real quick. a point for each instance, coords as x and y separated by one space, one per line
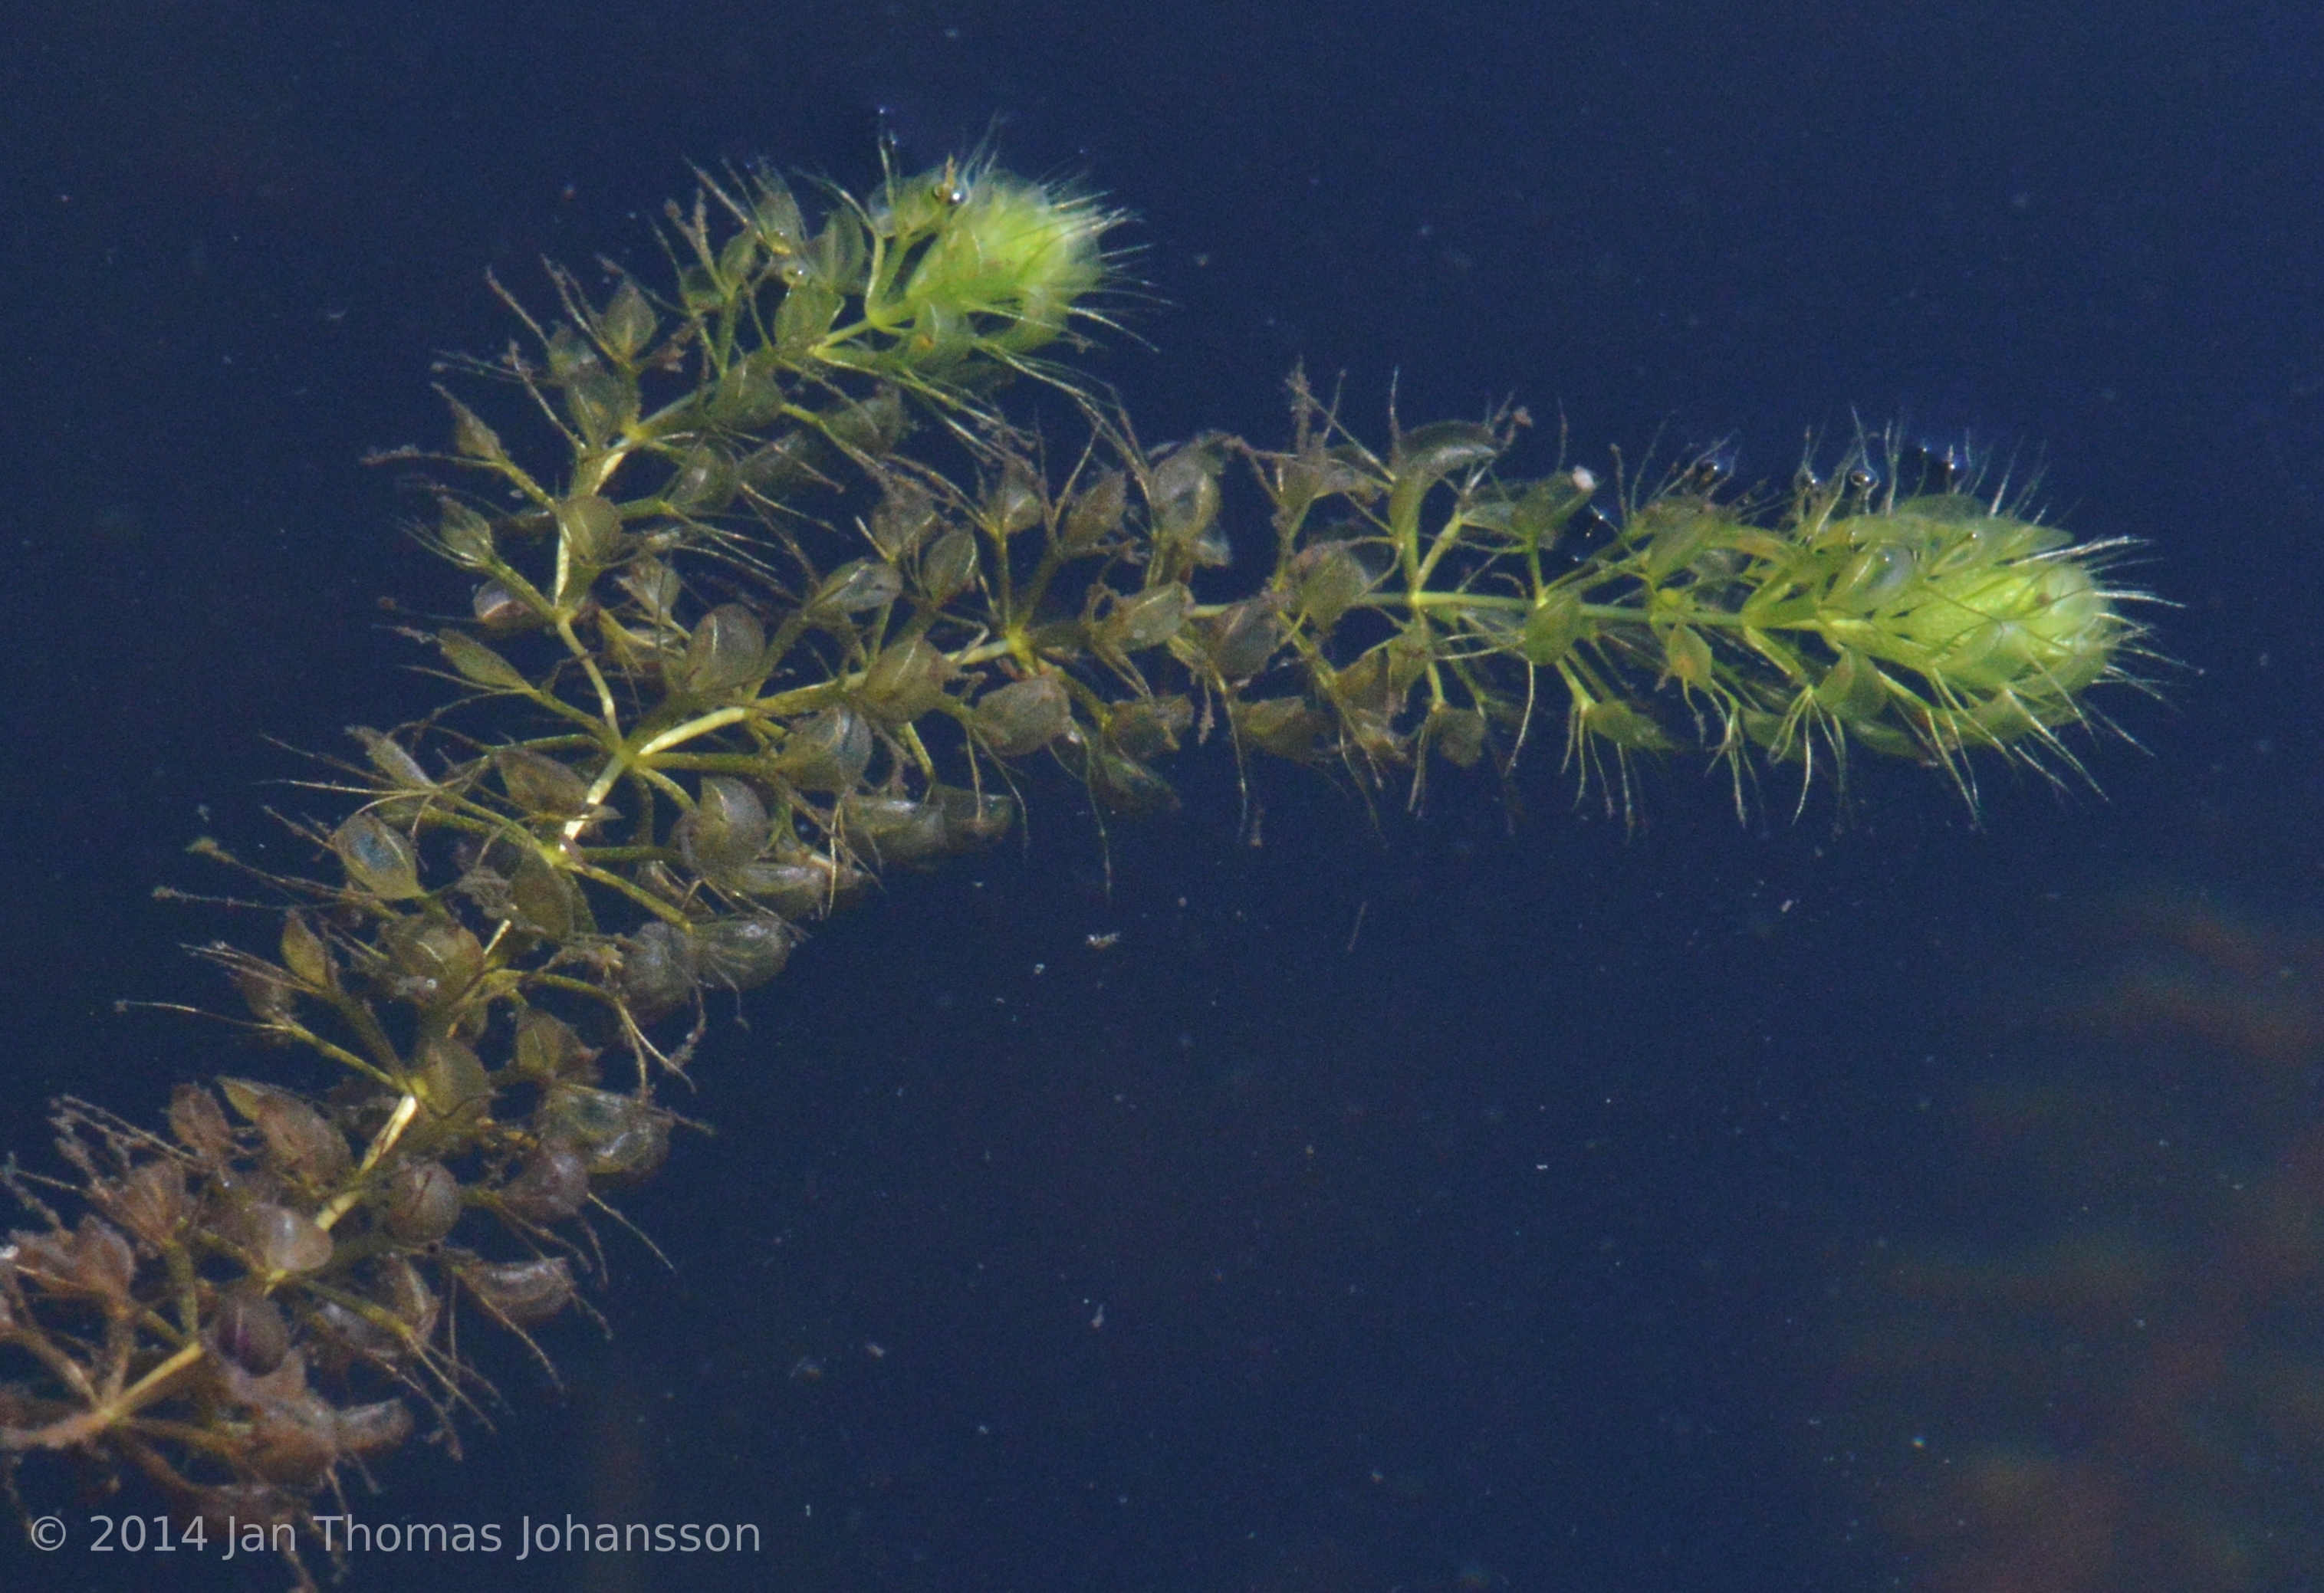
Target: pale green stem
627 757
340 1204
588 664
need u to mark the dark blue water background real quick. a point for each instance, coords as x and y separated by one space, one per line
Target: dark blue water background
1501 1248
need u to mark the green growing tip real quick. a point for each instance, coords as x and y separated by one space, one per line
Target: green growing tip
999 249
949 264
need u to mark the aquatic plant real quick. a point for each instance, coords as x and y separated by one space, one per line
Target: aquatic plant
769 598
